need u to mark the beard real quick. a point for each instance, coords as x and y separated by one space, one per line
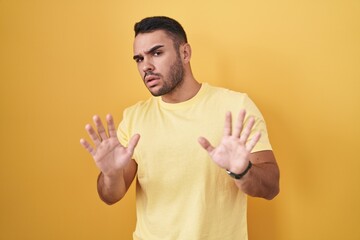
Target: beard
174 81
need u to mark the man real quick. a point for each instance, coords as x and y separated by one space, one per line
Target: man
194 169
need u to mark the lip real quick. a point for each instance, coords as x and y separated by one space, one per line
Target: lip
151 80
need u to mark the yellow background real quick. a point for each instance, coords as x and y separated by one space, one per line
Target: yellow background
63 61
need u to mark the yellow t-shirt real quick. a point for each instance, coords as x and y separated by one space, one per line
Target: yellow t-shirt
181 193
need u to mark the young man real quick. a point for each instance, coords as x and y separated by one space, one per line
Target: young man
194 166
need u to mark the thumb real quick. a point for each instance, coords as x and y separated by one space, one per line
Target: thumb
205 144
133 142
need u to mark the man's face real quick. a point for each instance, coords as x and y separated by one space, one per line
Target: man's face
158 62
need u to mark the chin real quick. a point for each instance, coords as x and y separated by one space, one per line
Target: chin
155 93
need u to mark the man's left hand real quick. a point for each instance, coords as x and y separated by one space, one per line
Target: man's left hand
235 147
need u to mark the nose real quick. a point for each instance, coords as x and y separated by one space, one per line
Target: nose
147 65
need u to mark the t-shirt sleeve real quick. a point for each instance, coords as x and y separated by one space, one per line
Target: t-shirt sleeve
259 126
123 131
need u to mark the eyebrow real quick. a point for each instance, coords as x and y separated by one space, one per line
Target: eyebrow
151 50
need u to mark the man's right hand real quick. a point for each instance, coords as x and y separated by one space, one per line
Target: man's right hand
110 156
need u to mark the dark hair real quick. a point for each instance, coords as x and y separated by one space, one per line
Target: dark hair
169 25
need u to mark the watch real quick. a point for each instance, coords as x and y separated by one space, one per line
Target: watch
239 176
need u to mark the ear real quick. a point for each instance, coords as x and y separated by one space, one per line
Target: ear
186 53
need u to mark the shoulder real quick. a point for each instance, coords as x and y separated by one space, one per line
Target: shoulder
227 95
232 100
140 107
133 114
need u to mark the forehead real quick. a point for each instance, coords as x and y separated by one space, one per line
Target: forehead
145 41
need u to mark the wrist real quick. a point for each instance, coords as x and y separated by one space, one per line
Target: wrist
238 176
112 176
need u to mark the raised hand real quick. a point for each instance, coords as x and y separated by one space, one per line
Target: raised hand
234 150
109 155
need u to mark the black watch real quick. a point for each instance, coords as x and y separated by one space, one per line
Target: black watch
239 176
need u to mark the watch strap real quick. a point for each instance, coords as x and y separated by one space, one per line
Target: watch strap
239 176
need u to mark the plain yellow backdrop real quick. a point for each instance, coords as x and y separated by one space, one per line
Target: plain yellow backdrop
63 61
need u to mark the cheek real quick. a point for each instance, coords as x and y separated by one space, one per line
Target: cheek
162 66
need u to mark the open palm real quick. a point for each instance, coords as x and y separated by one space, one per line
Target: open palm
234 149
109 155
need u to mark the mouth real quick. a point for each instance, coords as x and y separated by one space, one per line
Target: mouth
151 80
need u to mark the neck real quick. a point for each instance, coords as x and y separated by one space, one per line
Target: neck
186 90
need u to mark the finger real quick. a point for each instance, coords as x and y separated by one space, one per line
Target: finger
93 135
133 142
87 146
239 123
247 130
253 141
227 125
100 127
111 126
205 144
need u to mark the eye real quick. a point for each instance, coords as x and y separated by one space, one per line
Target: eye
157 53
138 59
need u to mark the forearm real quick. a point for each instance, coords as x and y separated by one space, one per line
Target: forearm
111 189
262 180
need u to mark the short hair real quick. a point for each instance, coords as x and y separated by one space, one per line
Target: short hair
169 25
